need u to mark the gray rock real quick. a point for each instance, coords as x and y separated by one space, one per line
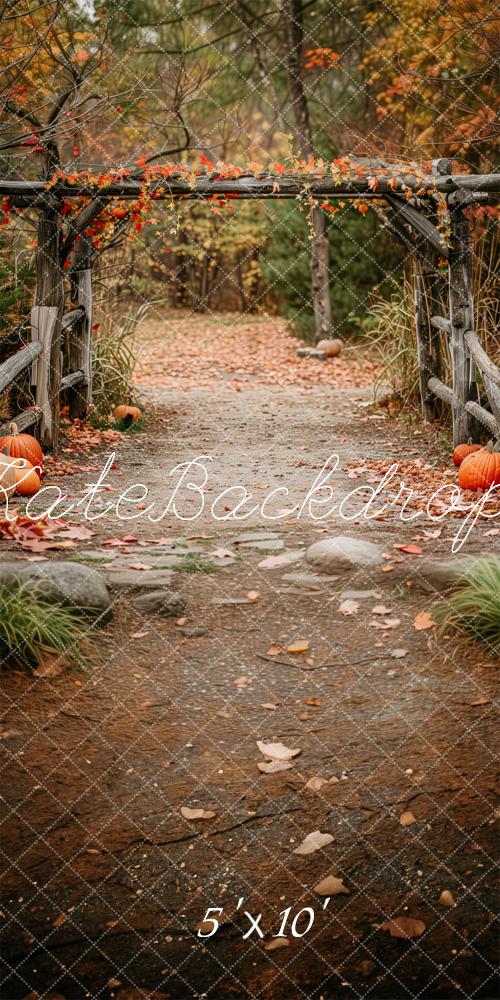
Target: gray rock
193 633
438 575
70 583
264 543
167 603
359 595
130 579
343 554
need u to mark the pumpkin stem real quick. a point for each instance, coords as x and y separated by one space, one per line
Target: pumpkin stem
13 429
489 446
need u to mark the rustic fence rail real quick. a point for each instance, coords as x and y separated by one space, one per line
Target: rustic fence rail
413 207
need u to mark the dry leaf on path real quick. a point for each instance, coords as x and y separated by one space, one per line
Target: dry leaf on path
274 766
412 550
407 818
253 595
313 842
222 554
277 751
447 898
193 814
314 784
274 649
301 646
404 927
331 886
348 607
397 654
380 609
278 942
385 625
423 621
271 707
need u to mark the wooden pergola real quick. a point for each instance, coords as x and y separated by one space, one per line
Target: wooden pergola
425 212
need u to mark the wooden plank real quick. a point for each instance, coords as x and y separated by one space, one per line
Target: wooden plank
442 391
486 418
483 362
418 222
80 346
440 323
71 317
72 379
249 186
462 320
18 362
428 351
23 420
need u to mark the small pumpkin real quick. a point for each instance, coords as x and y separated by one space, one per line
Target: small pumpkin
332 348
462 450
128 414
8 477
480 470
27 477
21 446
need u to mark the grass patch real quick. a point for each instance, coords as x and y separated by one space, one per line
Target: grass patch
32 626
474 610
195 562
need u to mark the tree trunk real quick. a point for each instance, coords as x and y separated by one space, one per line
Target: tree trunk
294 34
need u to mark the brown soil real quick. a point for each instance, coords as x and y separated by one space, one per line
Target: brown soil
106 883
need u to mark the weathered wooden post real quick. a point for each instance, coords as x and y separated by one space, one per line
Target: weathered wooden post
46 319
80 340
461 309
428 346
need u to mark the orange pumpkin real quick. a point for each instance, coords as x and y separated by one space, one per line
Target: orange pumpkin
27 477
480 470
7 475
462 450
332 348
127 413
21 446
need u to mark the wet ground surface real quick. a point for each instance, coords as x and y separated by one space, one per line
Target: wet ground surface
107 883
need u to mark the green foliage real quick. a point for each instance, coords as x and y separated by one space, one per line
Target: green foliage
360 258
33 626
196 562
475 609
16 289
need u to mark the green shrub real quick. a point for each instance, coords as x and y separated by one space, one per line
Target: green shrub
113 362
32 626
475 609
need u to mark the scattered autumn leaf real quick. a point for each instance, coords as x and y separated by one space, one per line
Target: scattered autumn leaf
404 927
274 766
423 621
301 646
313 842
277 942
348 607
447 898
194 814
407 818
277 751
331 886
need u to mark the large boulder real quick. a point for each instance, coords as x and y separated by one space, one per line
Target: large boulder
66 582
344 554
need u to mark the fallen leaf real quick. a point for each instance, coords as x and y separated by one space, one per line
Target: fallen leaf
389 568
273 766
138 635
253 595
181 621
404 927
269 705
482 700
366 967
407 818
59 920
398 654
313 842
331 886
380 609
222 554
193 814
447 898
274 649
312 701
387 624
271 562
412 550
278 942
277 751
298 647
348 607
314 784
423 621
241 682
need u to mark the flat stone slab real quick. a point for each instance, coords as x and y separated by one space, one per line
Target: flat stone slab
360 595
308 579
254 536
97 555
344 554
167 603
63 581
438 575
129 579
265 543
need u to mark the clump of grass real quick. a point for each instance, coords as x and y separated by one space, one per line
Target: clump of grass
195 562
475 609
33 626
114 359
391 326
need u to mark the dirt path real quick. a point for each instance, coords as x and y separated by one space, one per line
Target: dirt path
106 882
